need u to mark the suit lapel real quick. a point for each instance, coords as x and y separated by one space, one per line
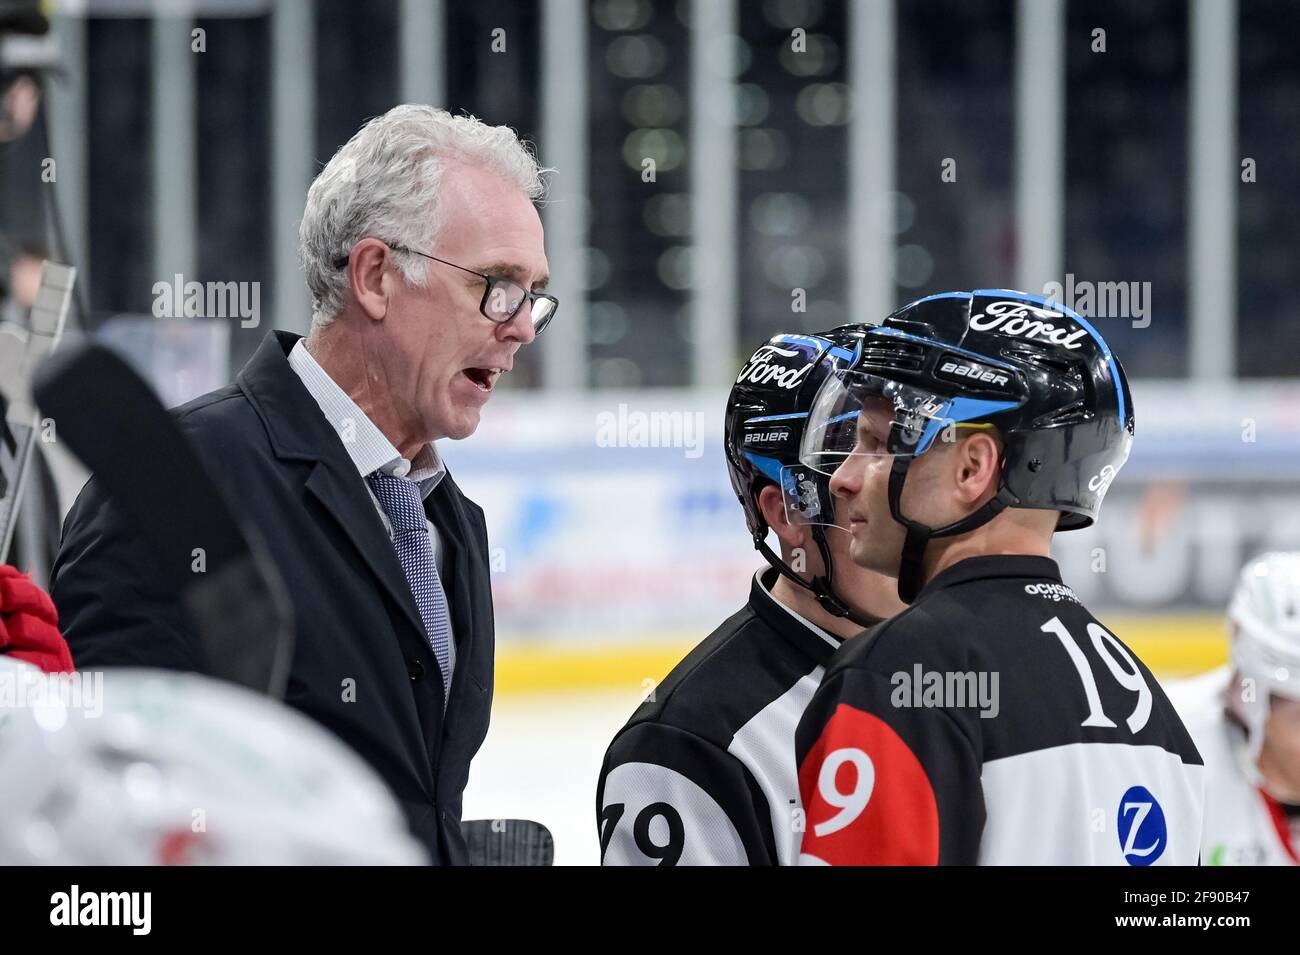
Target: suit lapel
299 431
345 497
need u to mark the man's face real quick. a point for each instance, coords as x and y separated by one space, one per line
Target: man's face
1279 760
861 489
868 591
445 355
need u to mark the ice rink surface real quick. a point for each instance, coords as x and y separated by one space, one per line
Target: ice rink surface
541 760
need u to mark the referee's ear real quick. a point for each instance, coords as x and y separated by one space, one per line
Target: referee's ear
772 506
976 463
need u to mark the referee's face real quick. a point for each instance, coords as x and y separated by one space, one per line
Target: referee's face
861 489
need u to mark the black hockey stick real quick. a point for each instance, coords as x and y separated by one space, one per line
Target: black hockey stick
113 421
21 351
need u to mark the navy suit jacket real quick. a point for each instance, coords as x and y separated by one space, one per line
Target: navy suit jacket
285 471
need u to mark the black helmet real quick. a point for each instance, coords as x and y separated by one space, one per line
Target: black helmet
1031 368
764 427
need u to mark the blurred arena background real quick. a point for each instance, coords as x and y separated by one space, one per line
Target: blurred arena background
725 170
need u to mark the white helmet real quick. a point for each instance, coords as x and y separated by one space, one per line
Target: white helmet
1264 617
140 767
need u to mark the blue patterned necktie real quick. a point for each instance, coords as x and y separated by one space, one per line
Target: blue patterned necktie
401 501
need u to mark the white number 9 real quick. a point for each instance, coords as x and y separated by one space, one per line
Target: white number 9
1130 681
1133 681
849 803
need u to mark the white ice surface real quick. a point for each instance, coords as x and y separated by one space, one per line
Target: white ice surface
541 760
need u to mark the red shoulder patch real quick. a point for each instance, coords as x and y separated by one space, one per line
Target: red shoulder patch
867 799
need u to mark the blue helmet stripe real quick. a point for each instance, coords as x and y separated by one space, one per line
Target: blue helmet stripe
770 467
961 409
931 298
777 417
968 409
818 343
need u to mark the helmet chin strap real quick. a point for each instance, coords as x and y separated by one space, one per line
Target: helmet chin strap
911 566
820 587
824 591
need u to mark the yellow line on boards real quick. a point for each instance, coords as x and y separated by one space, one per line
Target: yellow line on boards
1172 645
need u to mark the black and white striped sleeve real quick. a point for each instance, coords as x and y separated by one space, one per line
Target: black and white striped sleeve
670 797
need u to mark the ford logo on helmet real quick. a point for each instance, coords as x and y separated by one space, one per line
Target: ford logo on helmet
1022 320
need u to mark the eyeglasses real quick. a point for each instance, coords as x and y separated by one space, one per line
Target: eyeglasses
502 298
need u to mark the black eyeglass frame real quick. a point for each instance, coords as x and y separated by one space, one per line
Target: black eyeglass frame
490 284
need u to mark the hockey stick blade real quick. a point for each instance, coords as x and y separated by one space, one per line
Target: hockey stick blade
113 421
508 842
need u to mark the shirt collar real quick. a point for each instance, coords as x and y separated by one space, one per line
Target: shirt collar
991 566
365 444
812 639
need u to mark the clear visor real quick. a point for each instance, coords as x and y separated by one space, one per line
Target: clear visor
860 415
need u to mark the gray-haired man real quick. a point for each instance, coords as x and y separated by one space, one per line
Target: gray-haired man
423 252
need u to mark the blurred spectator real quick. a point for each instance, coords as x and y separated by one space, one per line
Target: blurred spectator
23 280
